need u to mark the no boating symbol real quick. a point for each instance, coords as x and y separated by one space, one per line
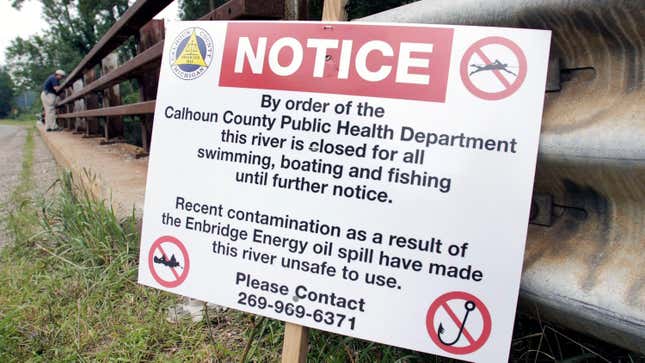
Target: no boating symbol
168 261
493 68
458 322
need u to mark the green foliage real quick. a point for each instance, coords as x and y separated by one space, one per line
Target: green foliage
195 9
30 61
6 93
74 28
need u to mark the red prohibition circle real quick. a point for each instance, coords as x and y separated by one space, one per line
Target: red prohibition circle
179 278
509 88
475 343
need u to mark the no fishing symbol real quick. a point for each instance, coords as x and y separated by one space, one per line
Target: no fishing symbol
493 68
168 261
458 322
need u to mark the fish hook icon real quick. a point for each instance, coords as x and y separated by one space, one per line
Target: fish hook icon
469 306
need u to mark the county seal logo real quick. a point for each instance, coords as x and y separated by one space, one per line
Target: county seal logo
191 53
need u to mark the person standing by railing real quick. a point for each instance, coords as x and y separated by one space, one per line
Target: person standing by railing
48 97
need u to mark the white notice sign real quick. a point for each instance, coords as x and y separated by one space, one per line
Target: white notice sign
369 180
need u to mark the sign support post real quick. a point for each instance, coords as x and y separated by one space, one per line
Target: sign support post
295 344
296 337
334 10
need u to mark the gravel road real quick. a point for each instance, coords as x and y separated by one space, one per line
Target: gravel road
12 140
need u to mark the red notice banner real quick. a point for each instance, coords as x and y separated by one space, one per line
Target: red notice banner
362 60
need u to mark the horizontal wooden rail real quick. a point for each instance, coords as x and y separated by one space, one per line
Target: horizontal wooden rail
140 108
148 58
128 24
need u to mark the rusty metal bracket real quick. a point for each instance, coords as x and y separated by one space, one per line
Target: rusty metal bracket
541 210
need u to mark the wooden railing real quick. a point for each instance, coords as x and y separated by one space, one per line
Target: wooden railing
90 103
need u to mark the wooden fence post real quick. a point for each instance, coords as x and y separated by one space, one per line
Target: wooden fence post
91 102
296 10
149 35
112 97
67 123
77 124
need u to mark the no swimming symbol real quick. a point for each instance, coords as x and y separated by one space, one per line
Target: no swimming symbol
458 322
493 68
168 261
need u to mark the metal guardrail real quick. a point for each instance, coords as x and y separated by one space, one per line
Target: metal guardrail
136 22
584 256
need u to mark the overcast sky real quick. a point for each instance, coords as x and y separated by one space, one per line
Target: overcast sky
27 21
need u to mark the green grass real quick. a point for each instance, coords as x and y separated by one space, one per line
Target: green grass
68 290
13 122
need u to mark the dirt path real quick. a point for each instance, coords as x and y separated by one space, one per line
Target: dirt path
12 140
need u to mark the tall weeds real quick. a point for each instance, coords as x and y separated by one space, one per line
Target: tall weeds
87 231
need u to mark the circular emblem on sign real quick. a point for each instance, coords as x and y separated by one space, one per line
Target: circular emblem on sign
191 53
168 261
458 322
493 68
